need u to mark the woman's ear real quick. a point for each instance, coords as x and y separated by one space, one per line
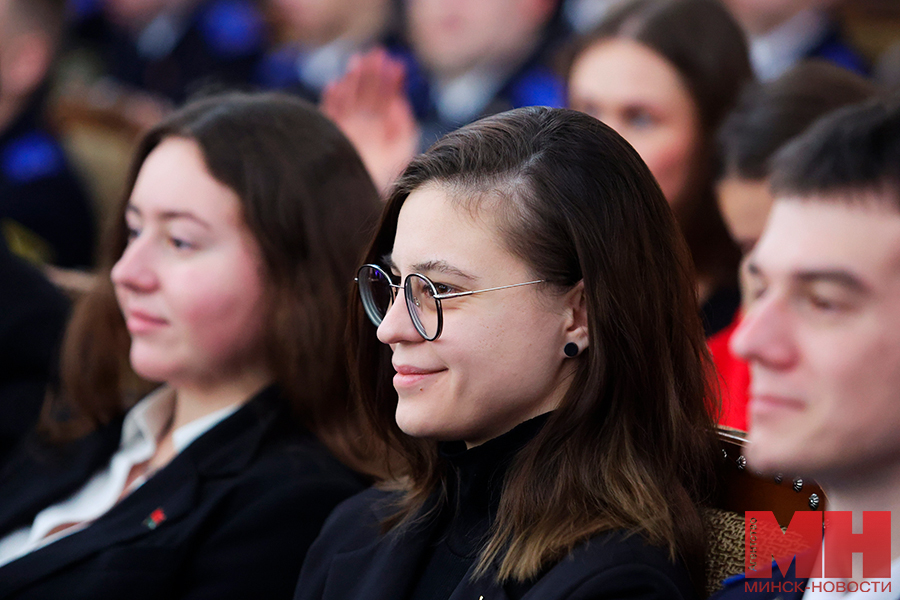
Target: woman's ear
577 317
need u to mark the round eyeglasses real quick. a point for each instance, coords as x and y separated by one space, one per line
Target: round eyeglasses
377 292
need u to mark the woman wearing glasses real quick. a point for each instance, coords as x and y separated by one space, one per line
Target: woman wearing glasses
537 364
225 280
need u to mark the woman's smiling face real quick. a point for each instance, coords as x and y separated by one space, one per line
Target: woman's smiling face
499 360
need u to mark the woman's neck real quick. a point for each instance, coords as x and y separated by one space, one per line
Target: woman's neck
197 399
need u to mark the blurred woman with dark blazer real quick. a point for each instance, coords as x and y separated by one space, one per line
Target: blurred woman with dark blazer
225 279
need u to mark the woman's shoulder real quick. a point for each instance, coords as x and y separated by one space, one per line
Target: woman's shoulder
356 521
615 564
284 460
263 442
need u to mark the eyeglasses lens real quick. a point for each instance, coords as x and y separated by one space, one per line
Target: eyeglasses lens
375 292
423 308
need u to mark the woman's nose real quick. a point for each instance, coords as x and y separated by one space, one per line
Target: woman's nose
397 325
135 268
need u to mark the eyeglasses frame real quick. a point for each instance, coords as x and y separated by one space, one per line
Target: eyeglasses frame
407 293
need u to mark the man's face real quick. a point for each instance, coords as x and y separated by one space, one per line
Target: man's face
822 335
745 205
452 36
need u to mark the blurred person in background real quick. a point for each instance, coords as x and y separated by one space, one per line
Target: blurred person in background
664 74
225 279
583 15
45 213
782 32
821 332
464 59
313 41
767 116
470 58
172 48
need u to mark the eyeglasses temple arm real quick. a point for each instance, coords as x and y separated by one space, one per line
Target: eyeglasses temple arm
502 287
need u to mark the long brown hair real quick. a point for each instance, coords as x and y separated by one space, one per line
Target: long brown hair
707 48
631 444
309 203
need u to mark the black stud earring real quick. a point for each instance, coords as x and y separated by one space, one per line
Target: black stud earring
571 349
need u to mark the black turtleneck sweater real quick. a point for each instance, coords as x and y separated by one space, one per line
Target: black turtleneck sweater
474 483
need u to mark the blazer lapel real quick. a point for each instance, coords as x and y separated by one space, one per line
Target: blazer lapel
40 475
167 496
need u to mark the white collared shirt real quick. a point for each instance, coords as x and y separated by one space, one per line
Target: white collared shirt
462 99
141 428
319 66
773 53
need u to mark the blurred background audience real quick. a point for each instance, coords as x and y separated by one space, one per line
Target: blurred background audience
314 40
81 80
45 213
782 32
768 115
172 47
646 72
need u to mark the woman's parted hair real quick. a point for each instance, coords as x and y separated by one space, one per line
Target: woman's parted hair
708 50
631 445
310 205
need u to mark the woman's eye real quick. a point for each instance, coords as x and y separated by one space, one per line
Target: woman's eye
443 288
641 119
132 232
180 244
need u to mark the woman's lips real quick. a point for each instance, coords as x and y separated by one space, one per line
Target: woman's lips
139 322
408 376
769 404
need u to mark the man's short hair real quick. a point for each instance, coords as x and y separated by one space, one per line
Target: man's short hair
847 156
769 114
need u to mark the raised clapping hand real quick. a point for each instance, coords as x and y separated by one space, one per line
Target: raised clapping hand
370 106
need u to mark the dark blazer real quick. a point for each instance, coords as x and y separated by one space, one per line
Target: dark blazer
352 560
230 517
32 316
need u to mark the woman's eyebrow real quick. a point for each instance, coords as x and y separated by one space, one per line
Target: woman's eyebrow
441 266
169 215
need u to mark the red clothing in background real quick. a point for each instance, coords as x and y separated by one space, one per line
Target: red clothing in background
734 378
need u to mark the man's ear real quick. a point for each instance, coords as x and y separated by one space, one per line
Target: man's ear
576 307
25 63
